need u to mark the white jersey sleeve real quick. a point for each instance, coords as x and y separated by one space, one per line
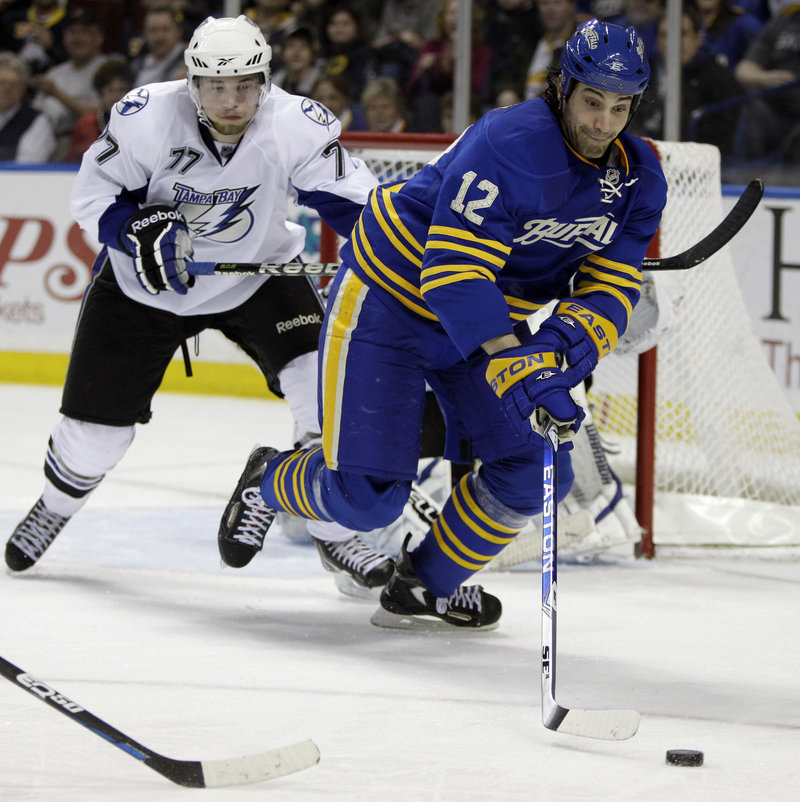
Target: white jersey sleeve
154 151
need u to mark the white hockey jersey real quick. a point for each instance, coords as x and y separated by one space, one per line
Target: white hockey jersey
154 151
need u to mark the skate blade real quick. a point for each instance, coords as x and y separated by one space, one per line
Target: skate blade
422 623
349 587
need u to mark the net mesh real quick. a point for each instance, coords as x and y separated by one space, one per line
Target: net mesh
724 426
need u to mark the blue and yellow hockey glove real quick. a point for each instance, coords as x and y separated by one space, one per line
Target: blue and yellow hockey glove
534 391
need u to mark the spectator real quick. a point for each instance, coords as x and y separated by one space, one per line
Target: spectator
644 15
333 92
384 106
112 82
403 27
161 57
345 50
26 135
559 21
446 109
511 29
728 30
506 96
432 75
704 80
275 19
773 60
300 69
65 91
34 30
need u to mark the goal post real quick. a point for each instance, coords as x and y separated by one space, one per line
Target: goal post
698 429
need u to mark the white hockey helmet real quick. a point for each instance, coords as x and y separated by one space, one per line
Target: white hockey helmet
227 47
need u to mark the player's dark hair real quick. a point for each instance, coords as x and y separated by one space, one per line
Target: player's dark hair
552 92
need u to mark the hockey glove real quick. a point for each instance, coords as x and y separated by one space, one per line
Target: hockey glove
579 334
534 391
160 245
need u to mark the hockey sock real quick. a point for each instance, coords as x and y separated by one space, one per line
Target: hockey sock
288 483
462 540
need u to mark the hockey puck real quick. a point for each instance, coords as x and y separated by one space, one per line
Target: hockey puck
684 757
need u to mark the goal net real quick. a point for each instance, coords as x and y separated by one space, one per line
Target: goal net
726 470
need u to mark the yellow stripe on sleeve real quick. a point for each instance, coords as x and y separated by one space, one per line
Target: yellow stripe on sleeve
454 246
461 233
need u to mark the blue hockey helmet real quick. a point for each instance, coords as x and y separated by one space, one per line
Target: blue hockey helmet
607 57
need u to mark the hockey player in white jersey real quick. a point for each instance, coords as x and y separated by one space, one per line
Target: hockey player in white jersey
199 168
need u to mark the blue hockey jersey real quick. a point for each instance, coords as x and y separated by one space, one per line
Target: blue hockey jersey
507 219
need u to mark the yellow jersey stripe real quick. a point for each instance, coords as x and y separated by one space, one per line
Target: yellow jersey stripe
602 275
461 233
587 287
390 234
432 285
382 282
454 246
435 271
620 267
398 223
520 304
345 309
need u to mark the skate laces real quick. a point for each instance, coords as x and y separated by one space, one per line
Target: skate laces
356 555
37 531
464 598
256 518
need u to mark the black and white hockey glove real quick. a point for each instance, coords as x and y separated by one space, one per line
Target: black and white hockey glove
160 244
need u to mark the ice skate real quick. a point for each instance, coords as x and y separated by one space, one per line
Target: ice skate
247 517
359 570
33 535
407 604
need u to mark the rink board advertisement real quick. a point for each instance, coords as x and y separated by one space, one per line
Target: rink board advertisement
45 264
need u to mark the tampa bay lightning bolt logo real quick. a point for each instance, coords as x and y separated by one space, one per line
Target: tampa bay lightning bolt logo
134 101
222 215
317 112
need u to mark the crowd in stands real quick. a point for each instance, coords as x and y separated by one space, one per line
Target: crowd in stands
388 65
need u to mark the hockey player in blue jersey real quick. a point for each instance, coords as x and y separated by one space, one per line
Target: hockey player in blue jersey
548 199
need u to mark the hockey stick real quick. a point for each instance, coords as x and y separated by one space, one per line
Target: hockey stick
708 246
609 725
190 773
719 237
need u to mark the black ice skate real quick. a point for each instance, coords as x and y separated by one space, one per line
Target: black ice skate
407 604
247 517
34 533
358 569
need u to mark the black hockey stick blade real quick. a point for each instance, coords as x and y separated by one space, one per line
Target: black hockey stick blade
190 773
719 237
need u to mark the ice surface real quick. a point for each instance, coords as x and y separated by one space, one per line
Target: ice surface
131 615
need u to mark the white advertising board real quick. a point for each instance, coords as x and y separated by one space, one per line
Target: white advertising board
45 264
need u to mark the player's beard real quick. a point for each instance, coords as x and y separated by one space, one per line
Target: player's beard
583 143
